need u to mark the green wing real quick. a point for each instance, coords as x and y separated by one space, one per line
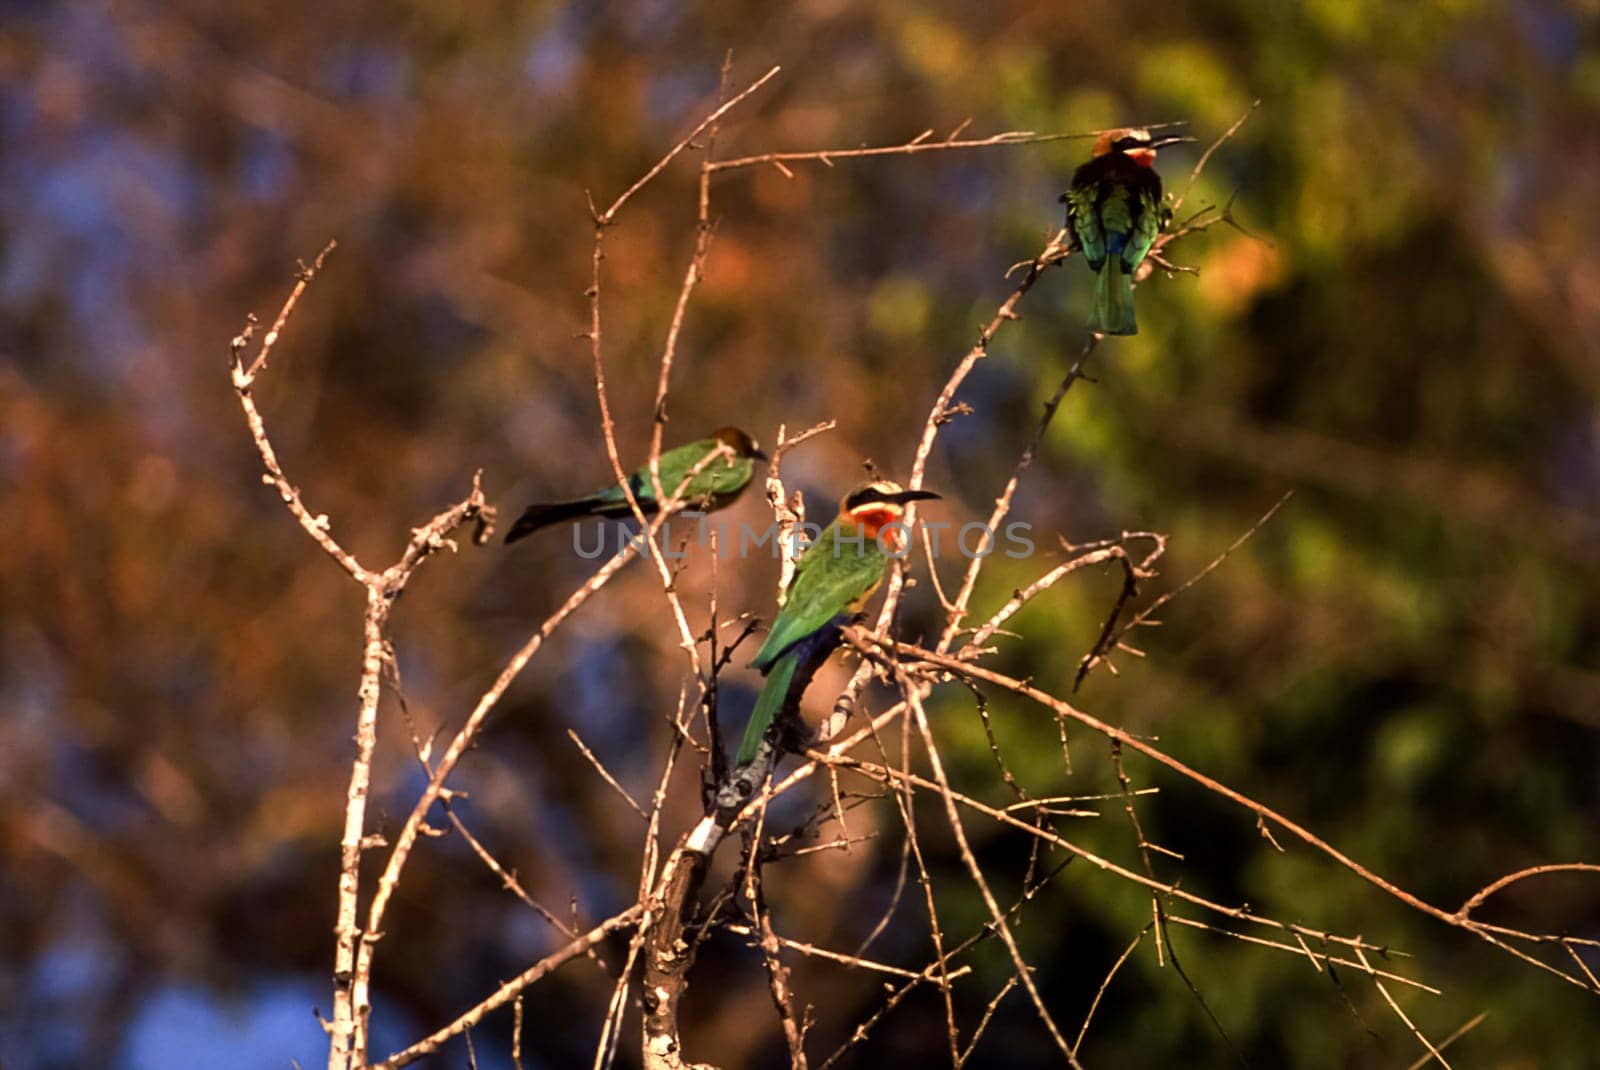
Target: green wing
832 577
1114 207
1119 215
1085 220
719 480
1147 214
677 463
719 477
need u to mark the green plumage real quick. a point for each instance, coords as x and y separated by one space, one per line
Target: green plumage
833 577
715 485
780 678
1114 212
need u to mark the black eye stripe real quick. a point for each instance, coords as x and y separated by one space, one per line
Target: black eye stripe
867 496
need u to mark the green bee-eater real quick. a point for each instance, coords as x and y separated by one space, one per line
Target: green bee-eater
717 483
1114 212
832 578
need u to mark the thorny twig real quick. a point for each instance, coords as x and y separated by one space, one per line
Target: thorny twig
1111 636
351 1005
665 927
923 142
902 653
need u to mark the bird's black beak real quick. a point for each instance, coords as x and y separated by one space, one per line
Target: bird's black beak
906 496
1173 140
758 454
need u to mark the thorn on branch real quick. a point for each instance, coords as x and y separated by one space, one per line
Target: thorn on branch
1158 260
948 413
1228 218
1019 265
241 341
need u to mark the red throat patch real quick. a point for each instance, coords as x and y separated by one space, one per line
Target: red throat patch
1142 157
872 523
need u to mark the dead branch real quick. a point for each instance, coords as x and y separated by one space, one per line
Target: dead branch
347 1030
512 989
921 143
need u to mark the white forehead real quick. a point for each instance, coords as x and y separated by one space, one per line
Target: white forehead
882 487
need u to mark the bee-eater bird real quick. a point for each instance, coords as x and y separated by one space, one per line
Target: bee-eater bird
716 484
1114 212
833 577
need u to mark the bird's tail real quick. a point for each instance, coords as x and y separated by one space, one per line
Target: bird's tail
773 694
543 514
1113 299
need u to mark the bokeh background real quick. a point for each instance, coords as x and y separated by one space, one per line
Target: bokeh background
1407 658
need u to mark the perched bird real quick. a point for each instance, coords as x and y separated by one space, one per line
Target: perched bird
832 578
717 483
1114 211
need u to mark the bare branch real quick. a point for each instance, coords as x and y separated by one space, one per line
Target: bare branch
347 1031
510 882
1522 874
512 989
976 871
1055 250
1300 948
872 645
789 514
1205 157
317 526
1388 998
916 145
605 774
604 218
244 378
778 983
1468 1027
1111 637
1002 505
1105 983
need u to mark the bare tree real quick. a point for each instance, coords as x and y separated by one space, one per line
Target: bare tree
878 747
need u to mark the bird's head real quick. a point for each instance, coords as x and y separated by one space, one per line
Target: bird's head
739 442
1134 142
874 506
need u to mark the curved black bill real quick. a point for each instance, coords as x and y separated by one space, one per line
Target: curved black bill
913 496
760 455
